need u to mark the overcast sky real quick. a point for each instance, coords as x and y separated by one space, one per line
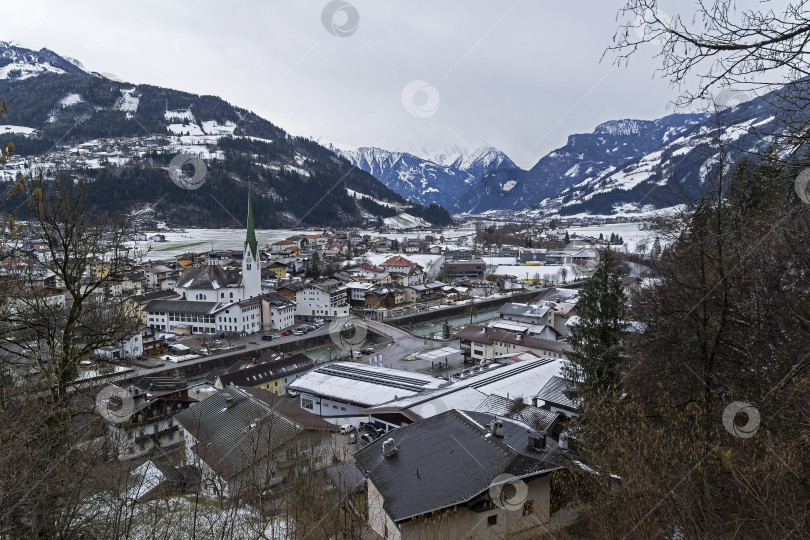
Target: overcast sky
521 75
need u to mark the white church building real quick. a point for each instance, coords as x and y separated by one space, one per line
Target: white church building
213 299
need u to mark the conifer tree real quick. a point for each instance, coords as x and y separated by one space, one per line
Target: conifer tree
595 338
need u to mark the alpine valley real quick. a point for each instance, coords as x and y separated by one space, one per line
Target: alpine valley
64 119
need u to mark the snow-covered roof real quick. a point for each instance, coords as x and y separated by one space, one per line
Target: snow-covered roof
363 385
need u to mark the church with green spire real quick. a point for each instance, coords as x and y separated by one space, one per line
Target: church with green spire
251 264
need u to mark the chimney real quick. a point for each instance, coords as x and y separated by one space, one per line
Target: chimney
389 448
537 441
496 426
229 401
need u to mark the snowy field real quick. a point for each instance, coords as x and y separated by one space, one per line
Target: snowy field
202 240
631 233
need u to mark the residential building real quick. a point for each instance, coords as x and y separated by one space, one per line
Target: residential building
482 343
447 477
246 441
425 292
150 422
463 267
325 297
156 275
278 312
272 374
385 296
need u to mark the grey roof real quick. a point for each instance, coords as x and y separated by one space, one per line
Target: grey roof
447 460
486 334
277 300
428 286
534 417
523 310
268 371
231 438
161 294
557 295
182 306
554 392
209 277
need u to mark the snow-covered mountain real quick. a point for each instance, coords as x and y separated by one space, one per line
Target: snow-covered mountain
636 166
477 162
438 176
20 63
125 139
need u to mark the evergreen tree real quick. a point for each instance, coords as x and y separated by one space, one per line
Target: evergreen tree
596 336
601 237
446 330
567 238
655 252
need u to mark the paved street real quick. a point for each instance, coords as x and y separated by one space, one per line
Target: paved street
405 344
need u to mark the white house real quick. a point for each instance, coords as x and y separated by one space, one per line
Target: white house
278 312
325 297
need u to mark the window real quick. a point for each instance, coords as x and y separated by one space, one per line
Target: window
306 403
492 520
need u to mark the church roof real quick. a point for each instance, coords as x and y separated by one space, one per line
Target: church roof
209 277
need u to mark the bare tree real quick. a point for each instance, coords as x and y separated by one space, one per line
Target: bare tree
85 254
720 44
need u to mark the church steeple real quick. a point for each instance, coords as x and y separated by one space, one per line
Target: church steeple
251 265
250 240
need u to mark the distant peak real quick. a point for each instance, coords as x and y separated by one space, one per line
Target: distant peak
621 127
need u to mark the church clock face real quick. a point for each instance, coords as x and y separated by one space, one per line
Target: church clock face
249 259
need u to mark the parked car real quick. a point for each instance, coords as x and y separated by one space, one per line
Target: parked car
286 334
366 437
346 428
298 333
267 337
353 438
276 335
292 393
367 350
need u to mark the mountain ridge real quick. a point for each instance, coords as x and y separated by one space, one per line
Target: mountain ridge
123 136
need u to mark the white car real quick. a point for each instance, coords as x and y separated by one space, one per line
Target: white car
347 428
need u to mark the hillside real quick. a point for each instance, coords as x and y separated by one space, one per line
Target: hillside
122 137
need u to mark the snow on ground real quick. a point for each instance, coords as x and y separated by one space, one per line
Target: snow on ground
631 233
358 195
23 70
405 221
128 102
425 260
69 100
211 127
296 170
189 129
527 272
16 129
179 115
203 240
